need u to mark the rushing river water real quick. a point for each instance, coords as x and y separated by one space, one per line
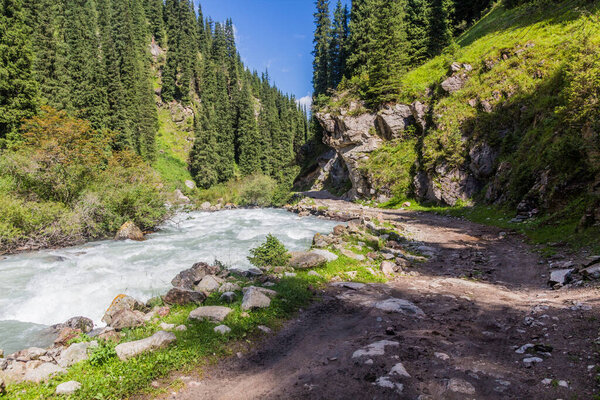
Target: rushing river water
41 288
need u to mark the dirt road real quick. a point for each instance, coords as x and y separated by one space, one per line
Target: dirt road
480 298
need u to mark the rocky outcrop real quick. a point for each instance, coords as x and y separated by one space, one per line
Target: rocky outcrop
129 230
191 277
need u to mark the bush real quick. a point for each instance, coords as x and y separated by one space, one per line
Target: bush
257 190
271 253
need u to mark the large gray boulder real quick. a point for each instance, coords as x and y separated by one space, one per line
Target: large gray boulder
121 302
306 260
84 324
210 313
67 388
329 256
182 297
159 340
254 298
189 278
75 353
209 284
42 372
560 276
127 319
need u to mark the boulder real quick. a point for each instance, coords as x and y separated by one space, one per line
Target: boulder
251 272
189 278
82 323
121 302
388 268
166 327
329 256
267 292
129 230
159 340
209 284
182 297
66 335
352 255
127 319
222 329
205 206
109 334
67 388
181 198
210 313
228 297
42 372
460 386
339 230
315 274
306 260
560 276
229 287
32 353
592 272
394 305
254 298
75 353
190 184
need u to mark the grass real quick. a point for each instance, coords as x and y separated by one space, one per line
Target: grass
197 347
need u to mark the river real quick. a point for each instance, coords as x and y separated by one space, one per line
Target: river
41 288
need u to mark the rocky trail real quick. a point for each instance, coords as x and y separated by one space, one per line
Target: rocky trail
476 321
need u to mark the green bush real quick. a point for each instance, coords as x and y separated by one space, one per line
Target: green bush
257 190
271 253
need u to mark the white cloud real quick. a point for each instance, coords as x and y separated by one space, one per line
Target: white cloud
305 101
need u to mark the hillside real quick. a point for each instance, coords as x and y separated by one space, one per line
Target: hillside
506 116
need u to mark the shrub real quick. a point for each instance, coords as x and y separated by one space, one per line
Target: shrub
257 190
270 253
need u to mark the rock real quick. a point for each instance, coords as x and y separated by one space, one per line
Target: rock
546 381
315 274
209 284
210 313
392 120
254 298
399 306
307 260
592 272
329 256
119 303
349 285
374 349
32 353
65 335
524 348
289 274
2 387
181 198
1 353
68 388
222 329
129 230
75 353
560 276
229 287
43 372
191 277
529 361
84 324
166 327
339 230
181 328
483 159
183 296
205 206
127 319
267 292
190 184
442 356
157 341
460 386
563 384
385 382
109 334
228 297
454 83
264 329
251 272
352 255
399 370
388 268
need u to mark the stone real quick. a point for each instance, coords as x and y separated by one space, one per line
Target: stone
159 340
254 298
315 274
181 198
228 297
205 206
1 353
222 329
32 353
339 230
210 313
229 287
388 268
349 285
442 356
68 388
329 256
109 334
267 292
127 319
592 272
289 274
453 83
166 327
42 372
394 305
352 255
84 324
183 296
190 184
251 272
460 386
75 353
189 278
264 329
524 348
560 276
209 284
563 384
121 302
385 382
306 260
130 231
2 387
374 349
181 328
529 361
399 370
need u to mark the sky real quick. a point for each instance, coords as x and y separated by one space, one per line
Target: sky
273 34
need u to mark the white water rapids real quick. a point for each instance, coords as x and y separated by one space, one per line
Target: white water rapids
42 288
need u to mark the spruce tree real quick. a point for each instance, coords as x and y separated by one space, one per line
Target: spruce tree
154 15
321 48
440 26
249 137
359 42
203 159
337 47
417 19
18 88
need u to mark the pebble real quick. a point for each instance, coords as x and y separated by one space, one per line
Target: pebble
564 384
529 361
442 356
523 349
222 329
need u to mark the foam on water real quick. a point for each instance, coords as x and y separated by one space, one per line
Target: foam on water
42 288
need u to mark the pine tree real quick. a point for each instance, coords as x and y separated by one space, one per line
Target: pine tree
18 89
359 41
203 160
337 47
249 138
321 48
154 15
440 25
417 19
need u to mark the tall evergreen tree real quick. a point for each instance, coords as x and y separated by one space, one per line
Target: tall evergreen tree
440 25
359 41
18 88
321 48
154 14
337 47
203 160
250 147
417 30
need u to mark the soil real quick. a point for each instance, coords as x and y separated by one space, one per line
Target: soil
483 294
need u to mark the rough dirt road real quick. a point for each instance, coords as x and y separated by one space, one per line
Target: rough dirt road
463 346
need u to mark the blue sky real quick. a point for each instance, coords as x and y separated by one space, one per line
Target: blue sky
273 34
